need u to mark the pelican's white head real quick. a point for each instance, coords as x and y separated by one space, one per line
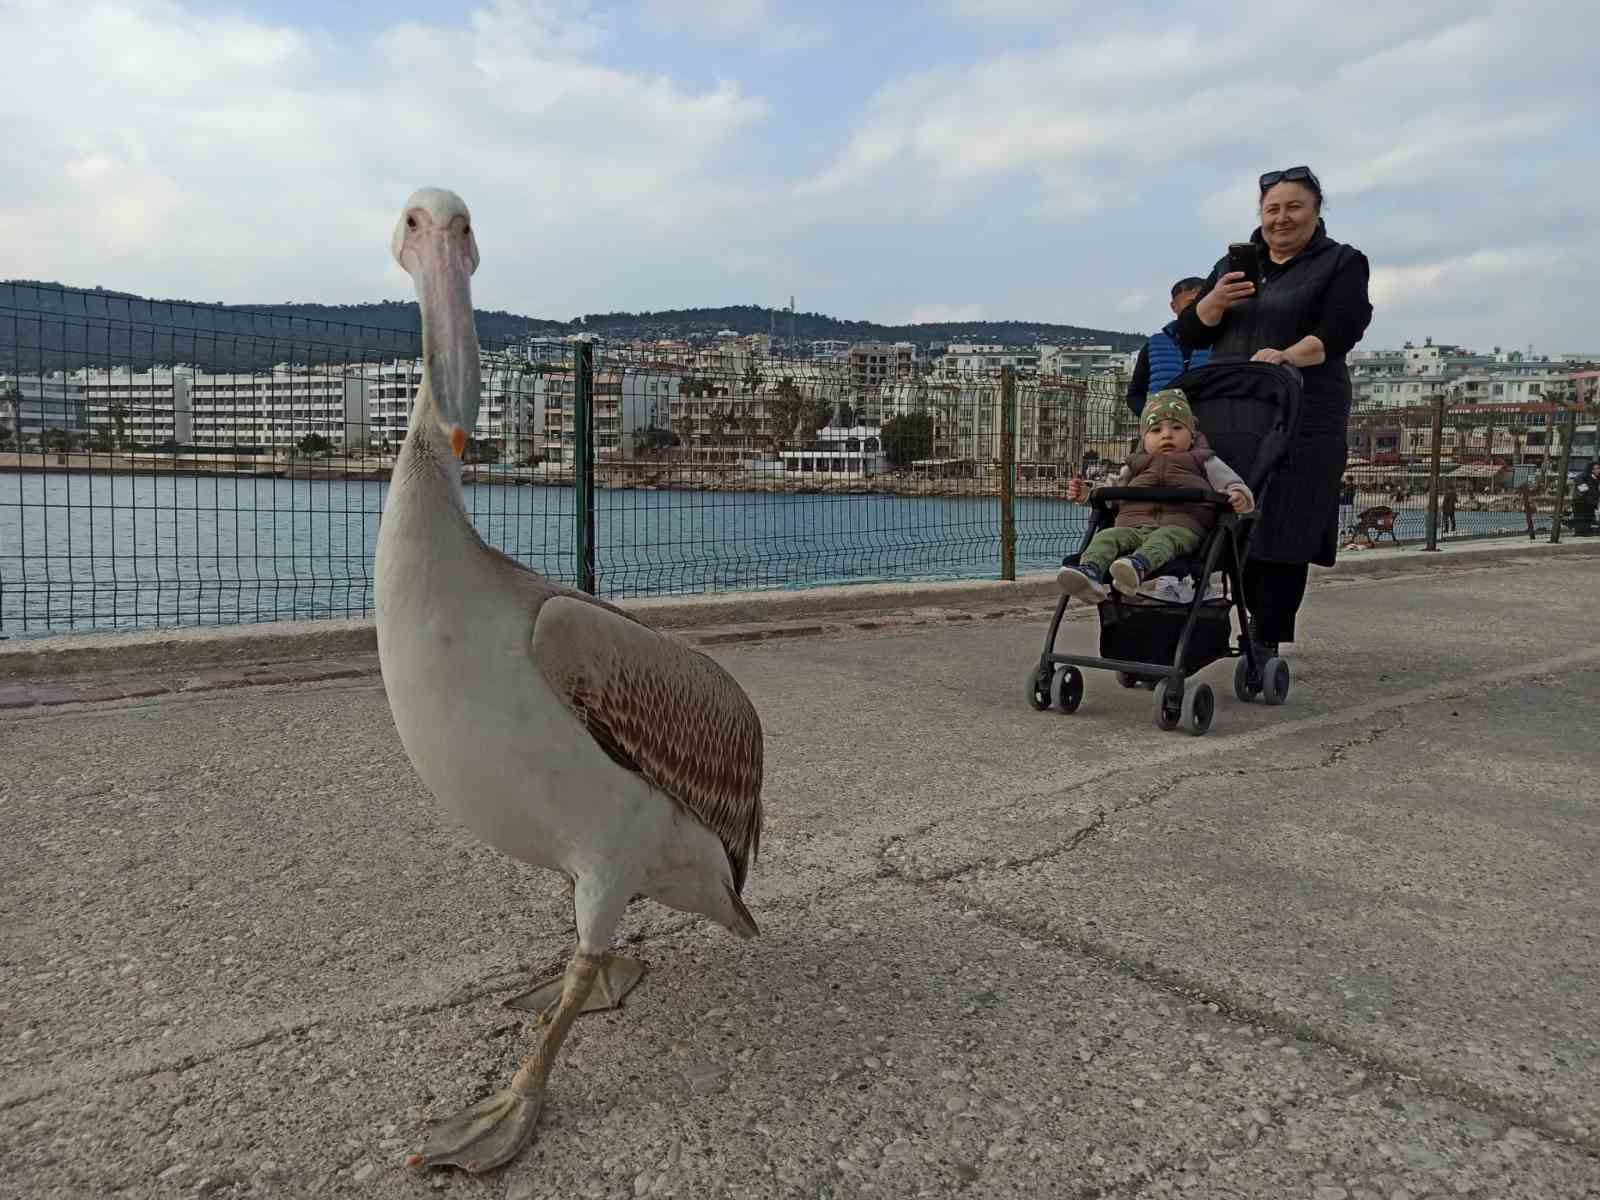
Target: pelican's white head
434 243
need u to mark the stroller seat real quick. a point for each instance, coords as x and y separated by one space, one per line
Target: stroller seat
1249 412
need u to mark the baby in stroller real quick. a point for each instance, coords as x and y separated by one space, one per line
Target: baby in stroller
1148 535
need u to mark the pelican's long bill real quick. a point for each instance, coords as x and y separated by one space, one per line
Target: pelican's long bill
434 242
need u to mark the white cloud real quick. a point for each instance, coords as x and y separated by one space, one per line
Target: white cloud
1430 124
766 24
1065 172
243 155
1056 12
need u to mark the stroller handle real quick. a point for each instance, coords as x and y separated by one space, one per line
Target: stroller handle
1105 495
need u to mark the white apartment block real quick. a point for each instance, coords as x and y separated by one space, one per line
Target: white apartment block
971 358
141 408
507 412
628 402
1080 362
31 405
1065 423
1416 375
1509 383
275 410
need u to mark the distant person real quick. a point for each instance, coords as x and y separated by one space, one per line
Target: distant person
1313 307
1447 510
1528 508
1585 500
1148 534
1164 355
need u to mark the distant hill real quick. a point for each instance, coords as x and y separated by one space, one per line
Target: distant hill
811 326
44 326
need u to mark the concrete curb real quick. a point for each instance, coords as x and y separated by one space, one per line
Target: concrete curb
300 641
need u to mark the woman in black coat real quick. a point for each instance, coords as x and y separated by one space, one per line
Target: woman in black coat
1311 309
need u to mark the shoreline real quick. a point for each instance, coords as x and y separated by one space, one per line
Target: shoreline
634 476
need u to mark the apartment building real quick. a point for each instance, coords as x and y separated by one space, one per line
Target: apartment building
1061 425
1081 362
139 408
873 363
275 410
31 405
972 358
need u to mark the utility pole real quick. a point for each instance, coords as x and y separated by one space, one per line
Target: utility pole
1008 469
1567 434
1433 473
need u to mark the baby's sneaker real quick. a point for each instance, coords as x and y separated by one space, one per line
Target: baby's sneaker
1128 573
1082 583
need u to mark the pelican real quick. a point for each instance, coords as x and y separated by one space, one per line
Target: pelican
557 728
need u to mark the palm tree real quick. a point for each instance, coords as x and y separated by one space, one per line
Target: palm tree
119 417
788 408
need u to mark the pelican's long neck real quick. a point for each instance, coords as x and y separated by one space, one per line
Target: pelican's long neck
426 470
425 539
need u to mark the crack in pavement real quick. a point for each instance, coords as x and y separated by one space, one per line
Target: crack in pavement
463 994
1143 800
65 1080
1383 1060
1377 1058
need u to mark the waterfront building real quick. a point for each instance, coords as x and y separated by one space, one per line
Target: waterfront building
32 405
275 410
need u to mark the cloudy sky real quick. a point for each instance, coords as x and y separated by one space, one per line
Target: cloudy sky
1032 159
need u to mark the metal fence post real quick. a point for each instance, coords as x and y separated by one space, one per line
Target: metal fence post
583 464
1008 472
1569 432
1433 474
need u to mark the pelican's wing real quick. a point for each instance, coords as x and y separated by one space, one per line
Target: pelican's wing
662 709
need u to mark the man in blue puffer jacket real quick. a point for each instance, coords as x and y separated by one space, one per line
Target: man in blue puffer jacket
1163 357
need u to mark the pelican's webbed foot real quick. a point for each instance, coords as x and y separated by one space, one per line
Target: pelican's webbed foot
616 978
484 1136
491 1132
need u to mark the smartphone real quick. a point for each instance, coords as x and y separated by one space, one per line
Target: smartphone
1246 257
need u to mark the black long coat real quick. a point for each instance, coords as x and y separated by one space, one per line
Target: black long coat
1300 512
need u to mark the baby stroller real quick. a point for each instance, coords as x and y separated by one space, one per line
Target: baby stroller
1248 413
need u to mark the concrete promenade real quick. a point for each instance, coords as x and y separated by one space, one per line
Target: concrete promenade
1344 949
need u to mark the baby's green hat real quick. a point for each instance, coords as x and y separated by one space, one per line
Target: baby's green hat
1169 404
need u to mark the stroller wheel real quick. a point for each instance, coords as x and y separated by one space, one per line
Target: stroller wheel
1066 688
1246 683
1166 716
1276 672
1199 706
1038 690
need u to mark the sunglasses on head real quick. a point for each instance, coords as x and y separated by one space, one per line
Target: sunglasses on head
1292 175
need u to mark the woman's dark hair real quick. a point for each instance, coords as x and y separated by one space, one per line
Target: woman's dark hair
1304 176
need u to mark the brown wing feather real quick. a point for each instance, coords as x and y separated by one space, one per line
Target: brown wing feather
662 709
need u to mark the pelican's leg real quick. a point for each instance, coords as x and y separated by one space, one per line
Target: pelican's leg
492 1131
616 978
